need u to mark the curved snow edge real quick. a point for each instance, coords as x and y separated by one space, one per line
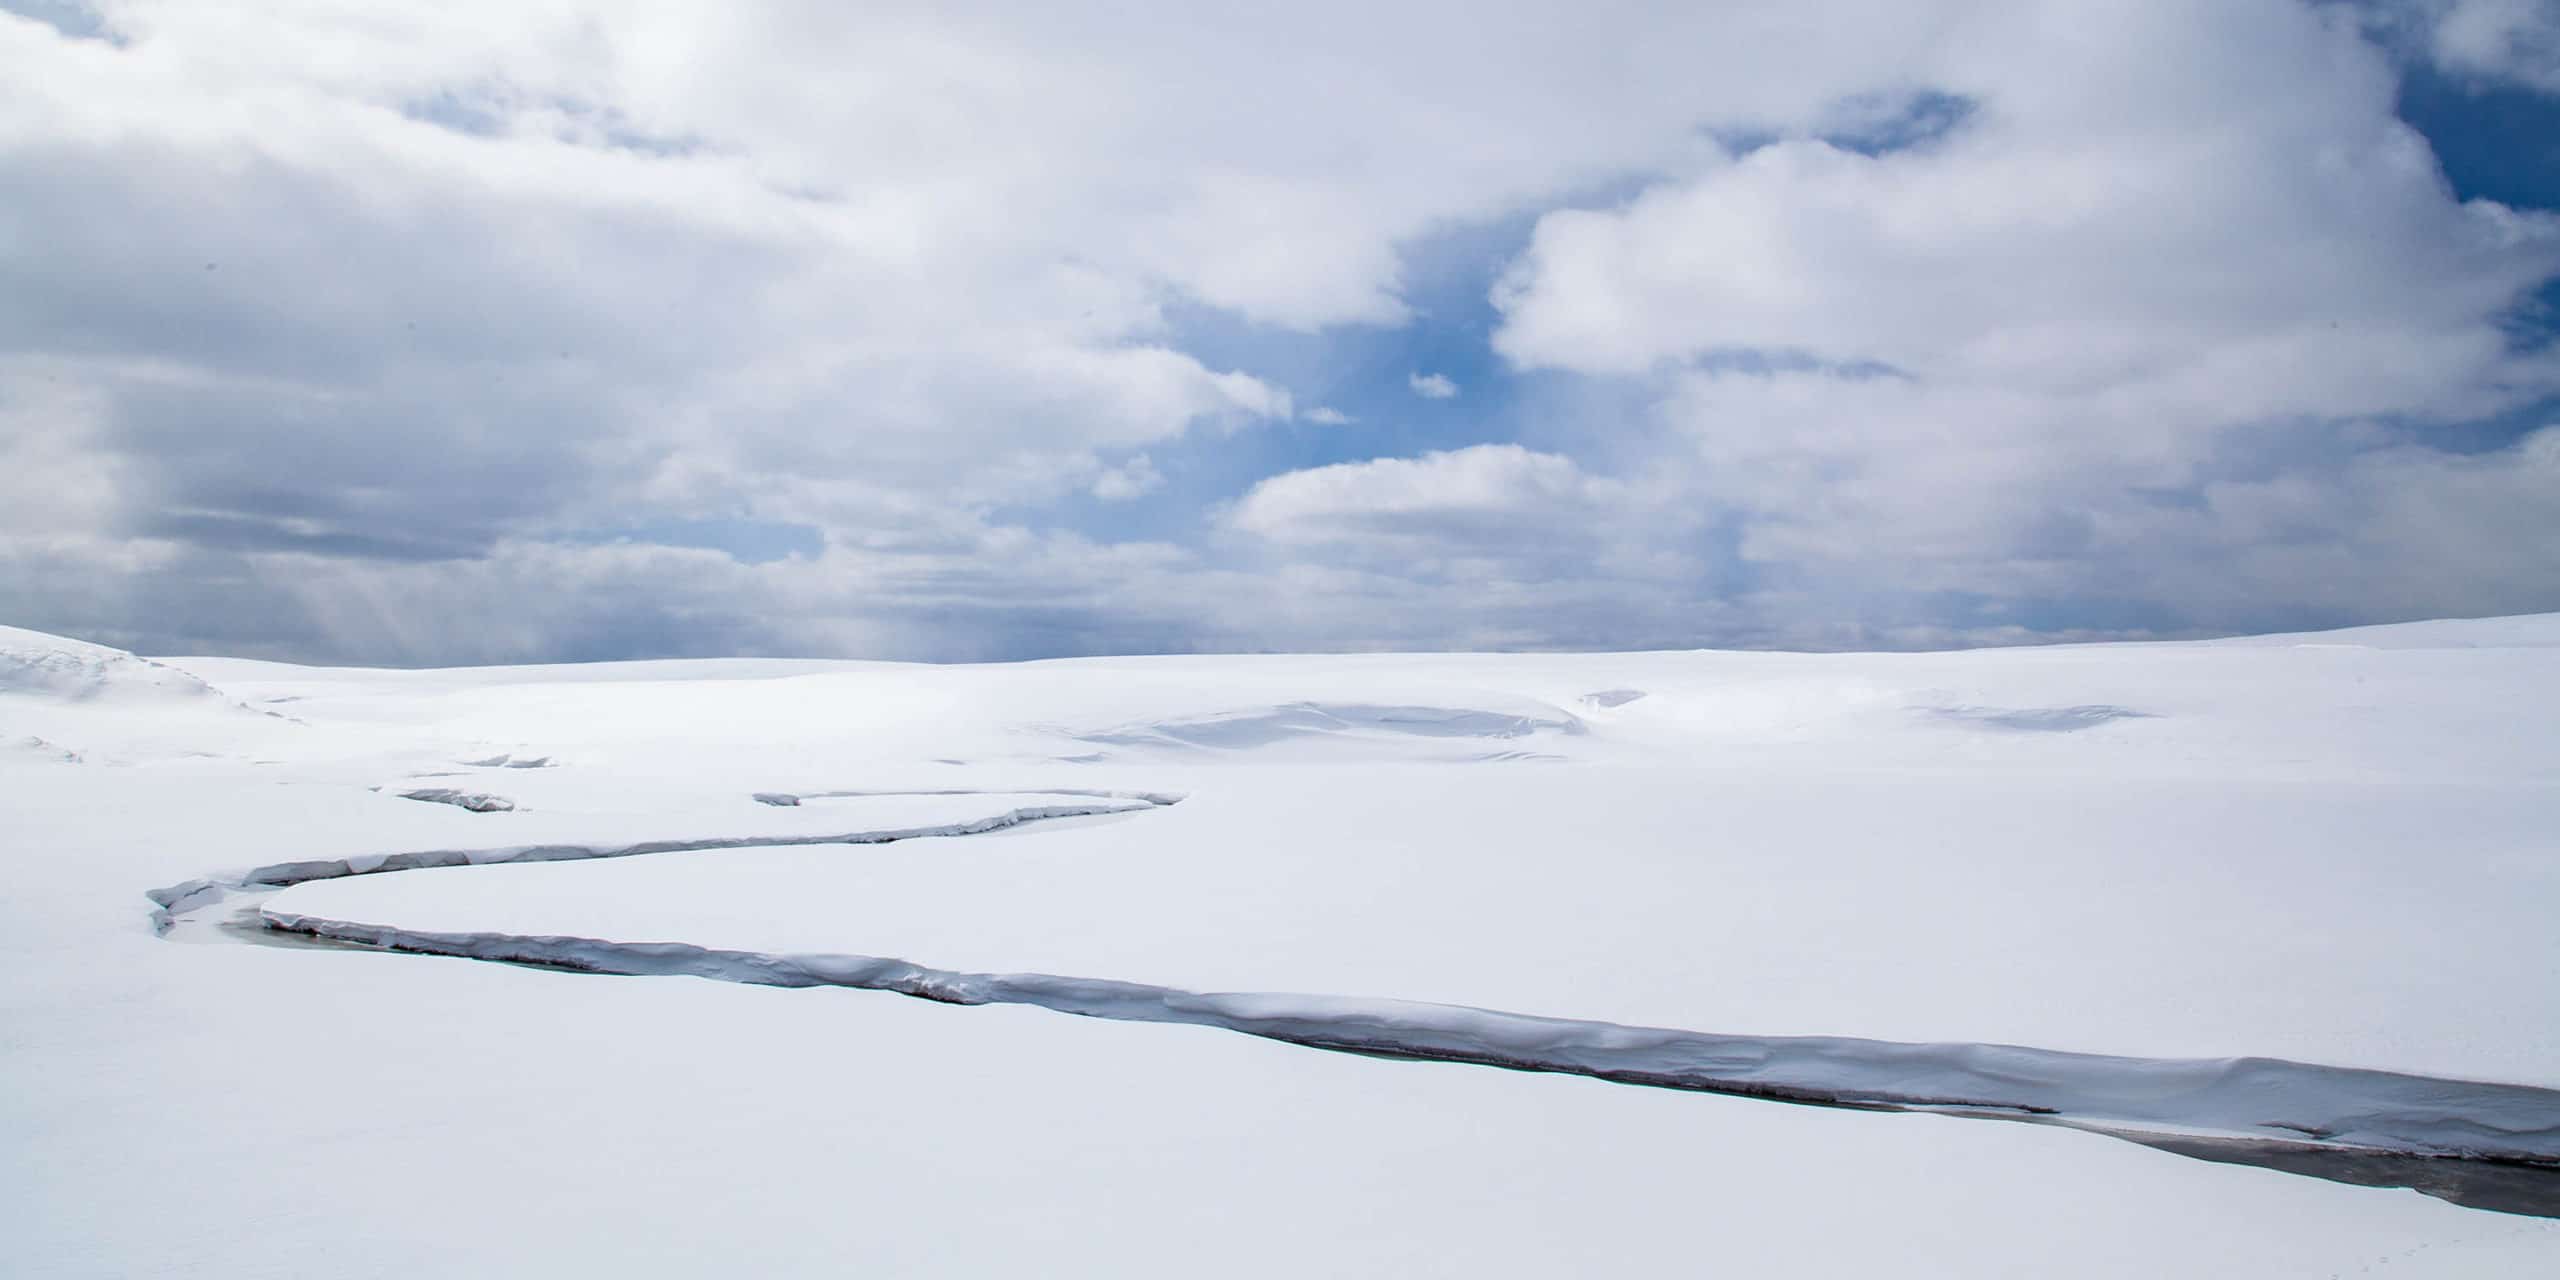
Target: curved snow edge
2254 1099
185 897
792 799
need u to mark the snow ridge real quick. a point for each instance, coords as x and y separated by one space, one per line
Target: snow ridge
2353 1112
60 669
475 801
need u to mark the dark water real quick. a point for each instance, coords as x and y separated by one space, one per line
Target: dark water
2500 1186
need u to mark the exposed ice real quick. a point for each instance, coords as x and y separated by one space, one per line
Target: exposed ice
475 801
1246 729
2038 719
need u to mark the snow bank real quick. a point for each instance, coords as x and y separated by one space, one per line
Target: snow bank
89 702
33 663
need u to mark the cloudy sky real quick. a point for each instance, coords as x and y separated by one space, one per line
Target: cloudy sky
351 330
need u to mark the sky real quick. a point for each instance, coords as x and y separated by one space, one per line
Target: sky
367 331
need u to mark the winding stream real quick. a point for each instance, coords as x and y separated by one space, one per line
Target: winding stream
2482 1145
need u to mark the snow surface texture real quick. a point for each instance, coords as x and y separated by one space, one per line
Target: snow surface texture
1853 870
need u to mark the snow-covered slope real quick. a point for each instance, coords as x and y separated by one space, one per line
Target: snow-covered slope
34 663
2335 851
56 692
2528 631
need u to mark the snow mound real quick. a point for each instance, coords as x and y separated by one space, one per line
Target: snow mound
475 801
58 667
505 761
1250 728
116 708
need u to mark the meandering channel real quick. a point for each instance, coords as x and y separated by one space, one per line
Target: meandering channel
2479 1144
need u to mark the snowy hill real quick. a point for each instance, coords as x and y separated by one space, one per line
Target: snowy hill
33 663
2527 631
69 701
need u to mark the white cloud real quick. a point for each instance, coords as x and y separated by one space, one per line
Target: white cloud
1327 415
2134 272
2511 40
1485 512
1499 482
1431 386
2307 245
1489 545
1134 478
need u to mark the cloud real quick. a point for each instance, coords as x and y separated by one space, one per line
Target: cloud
1130 479
2404 531
2499 40
1967 367
2041 248
1481 513
391 282
535 325
443 332
1491 484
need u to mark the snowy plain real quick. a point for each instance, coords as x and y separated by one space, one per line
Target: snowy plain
2335 850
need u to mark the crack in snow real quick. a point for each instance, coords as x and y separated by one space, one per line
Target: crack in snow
792 799
2493 1146
2479 1144
177 900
